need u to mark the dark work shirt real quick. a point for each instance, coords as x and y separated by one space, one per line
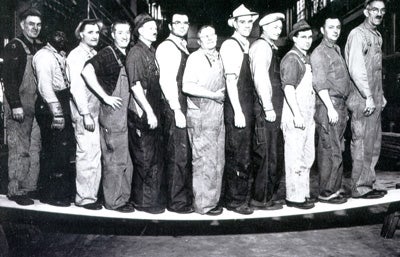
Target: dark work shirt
107 68
330 70
141 66
14 67
293 67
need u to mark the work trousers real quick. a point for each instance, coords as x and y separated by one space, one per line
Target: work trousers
24 144
177 162
330 147
58 149
365 145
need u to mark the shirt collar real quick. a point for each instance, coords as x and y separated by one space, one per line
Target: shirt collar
327 43
143 45
270 42
306 58
87 49
243 41
180 42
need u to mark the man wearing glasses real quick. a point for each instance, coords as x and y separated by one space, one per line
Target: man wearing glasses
364 59
171 56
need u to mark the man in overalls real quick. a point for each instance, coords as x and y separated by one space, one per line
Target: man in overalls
298 124
331 81
267 140
105 74
363 55
171 56
145 141
23 133
239 116
85 110
204 82
53 114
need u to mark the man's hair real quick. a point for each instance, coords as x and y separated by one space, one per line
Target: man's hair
333 16
368 2
297 32
204 27
30 12
179 11
116 22
88 22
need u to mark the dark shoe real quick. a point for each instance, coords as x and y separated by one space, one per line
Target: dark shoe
184 210
21 200
151 210
127 208
242 209
381 191
268 206
312 200
334 200
370 195
215 211
346 195
58 203
92 206
304 205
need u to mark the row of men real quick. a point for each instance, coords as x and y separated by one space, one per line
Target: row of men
177 118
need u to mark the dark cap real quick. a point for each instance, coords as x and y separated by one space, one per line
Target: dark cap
297 27
30 12
83 23
139 21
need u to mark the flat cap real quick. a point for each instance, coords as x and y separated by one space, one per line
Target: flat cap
140 20
269 18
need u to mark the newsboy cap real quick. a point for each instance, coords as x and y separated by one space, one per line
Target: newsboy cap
299 26
139 21
271 17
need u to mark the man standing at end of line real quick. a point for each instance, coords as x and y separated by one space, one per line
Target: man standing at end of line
171 56
267 140
363 55
239 116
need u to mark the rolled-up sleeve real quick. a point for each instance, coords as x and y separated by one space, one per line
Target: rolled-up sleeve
75 65
44 65
355 61
232 57
169 59
290 71
260 60
320 68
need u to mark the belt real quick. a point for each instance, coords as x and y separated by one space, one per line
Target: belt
340 97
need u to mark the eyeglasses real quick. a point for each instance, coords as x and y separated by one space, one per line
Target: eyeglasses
181 23
375 10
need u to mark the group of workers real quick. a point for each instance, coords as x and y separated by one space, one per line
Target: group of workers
163 128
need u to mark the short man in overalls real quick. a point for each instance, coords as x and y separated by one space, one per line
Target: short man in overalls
171 56
23 133
267 140
105 74
53 114
363 55
331 81
298 124
239 116
204 82
145 141
85 110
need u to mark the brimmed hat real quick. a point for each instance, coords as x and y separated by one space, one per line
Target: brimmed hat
299 26
84 22
140 20
241 11
269 18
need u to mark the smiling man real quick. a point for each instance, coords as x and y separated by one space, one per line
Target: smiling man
364 59
332 83
105 74
204 82
298 124
23 133
85 111
267 141
239 117
171 56
145 140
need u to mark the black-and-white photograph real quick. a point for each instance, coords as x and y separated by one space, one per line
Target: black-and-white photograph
201 128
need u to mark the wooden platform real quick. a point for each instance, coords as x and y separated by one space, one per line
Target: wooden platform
392 196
